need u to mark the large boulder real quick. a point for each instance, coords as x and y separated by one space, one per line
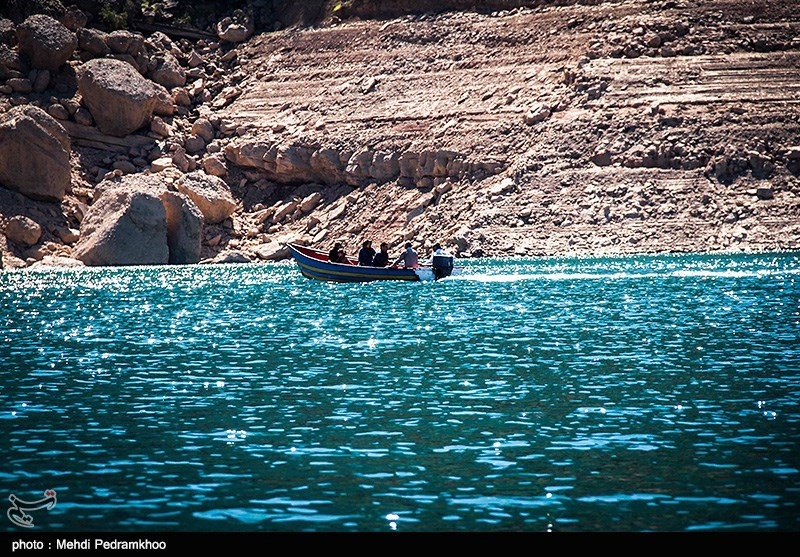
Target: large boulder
124 228
122 41
138 221
34 154
211 195
236 28
23 230
120 99
45 42
168 71
93 41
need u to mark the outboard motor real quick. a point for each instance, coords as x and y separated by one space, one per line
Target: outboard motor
442 266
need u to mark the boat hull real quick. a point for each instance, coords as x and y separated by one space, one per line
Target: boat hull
314 264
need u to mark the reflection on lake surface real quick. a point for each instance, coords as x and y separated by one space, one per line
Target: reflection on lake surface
612 394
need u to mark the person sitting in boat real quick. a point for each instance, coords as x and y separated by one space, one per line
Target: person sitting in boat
381 258
366 254
408 258
441 261
337 255
438 250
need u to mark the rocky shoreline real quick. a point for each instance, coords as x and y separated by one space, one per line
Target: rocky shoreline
599 129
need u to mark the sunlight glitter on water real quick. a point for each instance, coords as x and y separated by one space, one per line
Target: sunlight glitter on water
538 395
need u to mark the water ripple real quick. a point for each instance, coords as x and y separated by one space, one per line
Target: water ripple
596 394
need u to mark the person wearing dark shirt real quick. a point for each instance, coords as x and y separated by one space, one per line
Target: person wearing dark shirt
337 255
366 254
381 258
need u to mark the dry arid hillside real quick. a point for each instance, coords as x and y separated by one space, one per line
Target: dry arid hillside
584 129
660 114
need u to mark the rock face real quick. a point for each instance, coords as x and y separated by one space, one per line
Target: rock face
119 98
34 154
627 127
299 163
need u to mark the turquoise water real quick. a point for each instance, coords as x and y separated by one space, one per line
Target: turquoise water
615 394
